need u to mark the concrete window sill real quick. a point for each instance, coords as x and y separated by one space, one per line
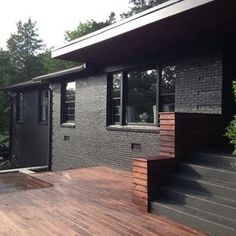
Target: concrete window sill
67 125
134 128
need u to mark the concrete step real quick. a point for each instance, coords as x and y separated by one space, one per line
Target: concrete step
185 196
206 186
196 170
224 161
201 220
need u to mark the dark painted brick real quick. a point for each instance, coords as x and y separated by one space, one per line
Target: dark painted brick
198 89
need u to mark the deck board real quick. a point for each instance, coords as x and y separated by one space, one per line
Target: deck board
90 201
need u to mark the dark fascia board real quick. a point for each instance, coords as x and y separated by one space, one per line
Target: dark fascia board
38 81
144 18
23 85
61 73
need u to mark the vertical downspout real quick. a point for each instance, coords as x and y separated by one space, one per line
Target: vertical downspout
50 130
11 127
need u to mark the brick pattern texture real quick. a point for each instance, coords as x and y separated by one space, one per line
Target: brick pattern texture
198 89
29 138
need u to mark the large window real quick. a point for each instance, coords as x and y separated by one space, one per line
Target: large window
141 96
43 105
68 102
133 97
136 96
19 107
116 97
167 89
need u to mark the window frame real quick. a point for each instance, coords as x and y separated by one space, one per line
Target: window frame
19 107
64 121
40 92
124 96
160 95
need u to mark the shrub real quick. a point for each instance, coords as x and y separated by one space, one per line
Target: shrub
231 133
231 129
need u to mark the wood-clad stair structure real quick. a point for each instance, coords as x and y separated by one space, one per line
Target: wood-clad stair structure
187 185
202 194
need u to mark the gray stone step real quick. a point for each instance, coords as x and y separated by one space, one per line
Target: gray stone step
206 186
213 159
184 196
208 172
201 220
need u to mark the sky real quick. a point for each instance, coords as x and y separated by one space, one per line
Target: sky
54 17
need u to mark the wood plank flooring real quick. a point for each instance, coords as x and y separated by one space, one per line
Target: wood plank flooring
89 201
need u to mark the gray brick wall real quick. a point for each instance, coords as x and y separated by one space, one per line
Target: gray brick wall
198 89
30 138
199 84
90 142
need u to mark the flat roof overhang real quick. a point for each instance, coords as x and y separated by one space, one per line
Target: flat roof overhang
67 73
23 85
175 23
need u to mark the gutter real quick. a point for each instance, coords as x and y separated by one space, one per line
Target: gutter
61 73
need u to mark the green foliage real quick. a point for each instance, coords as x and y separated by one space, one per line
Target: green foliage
231 133
6 72
139 6
231 129
4 138
24 47
142 92
24 60
89 27
52 65
234 89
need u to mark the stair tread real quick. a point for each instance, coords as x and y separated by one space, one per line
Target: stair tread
202 196
203 171
214 154
223 170
213 159
202 193
206 180
198 214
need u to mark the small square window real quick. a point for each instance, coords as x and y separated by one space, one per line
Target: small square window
43 105
116 97
68 102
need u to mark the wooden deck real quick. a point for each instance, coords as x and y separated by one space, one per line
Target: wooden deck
90 201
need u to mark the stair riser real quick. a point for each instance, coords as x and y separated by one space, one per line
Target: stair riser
191 220
213 161
209 173
182 199
206 188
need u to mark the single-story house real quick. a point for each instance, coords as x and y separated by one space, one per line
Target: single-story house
141 81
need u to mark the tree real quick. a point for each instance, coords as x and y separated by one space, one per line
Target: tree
140 5
89 27
5 73
51 65
231 129
24 47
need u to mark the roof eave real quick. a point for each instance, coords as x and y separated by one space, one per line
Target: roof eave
61 73
20 86
156 14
